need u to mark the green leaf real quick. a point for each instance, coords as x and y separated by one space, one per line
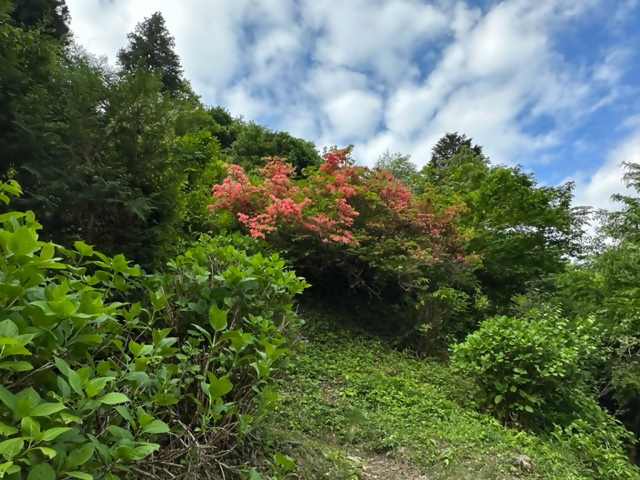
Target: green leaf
143 417
120 433
157 426
124 412
9 329
84 249
139 350
7 398
22 241
47 251
42 471
217 318
284 461
529 409
49 452
30 428
76 382
19 366
8 468
62 366
113 398
6 430
10 448
497 399
46 409
54 432
80 456
143 451
218 386
88 339
254 474
67 418
25 401
119 264
95 385
80 475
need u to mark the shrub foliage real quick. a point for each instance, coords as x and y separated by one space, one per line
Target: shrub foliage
93 382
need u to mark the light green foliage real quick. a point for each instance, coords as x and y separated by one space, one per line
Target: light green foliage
530 370
528 367
399 165
350 395
606 285
92 386
598 444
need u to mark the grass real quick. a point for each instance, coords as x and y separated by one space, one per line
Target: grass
353 409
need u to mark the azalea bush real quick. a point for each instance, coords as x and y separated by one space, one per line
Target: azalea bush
111 374
361 222
351 227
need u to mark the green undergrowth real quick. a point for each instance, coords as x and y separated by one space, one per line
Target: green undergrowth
351 402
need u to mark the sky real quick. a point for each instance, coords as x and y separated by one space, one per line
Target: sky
552 85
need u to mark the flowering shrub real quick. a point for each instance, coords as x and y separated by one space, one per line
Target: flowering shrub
276 202
373 228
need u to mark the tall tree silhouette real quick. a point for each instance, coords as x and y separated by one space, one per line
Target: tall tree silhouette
152 47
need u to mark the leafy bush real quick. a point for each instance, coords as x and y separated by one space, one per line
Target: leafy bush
527 366
95 388
598 442
531 371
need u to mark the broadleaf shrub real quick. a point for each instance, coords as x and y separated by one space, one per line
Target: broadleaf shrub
530 371
108 373
527 366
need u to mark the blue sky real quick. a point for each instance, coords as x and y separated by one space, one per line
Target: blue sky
552 85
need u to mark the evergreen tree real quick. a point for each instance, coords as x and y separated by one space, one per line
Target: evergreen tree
152 47
53 15
447 147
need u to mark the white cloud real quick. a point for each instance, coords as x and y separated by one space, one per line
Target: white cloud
389 74
596 190
376 36
354 114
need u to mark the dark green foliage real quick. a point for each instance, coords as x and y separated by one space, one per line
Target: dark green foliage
96 163
448 146
152 47
254 142
605 285
51 15
522 231
94 385
27 60
224 126
108 158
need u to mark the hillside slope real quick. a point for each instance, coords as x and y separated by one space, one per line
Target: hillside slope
355 409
